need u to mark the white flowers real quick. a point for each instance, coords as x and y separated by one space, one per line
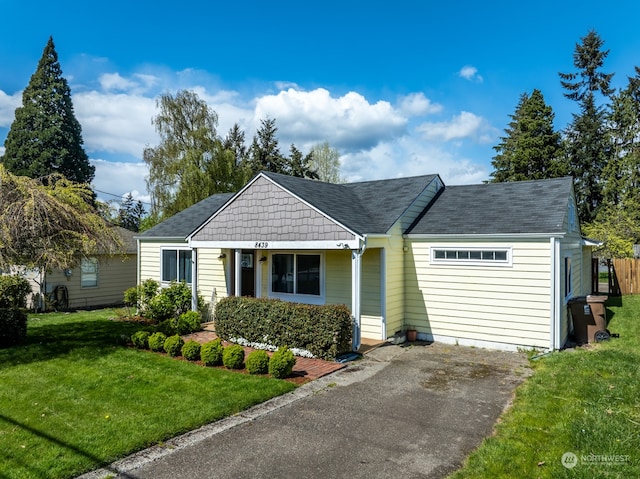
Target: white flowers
270 347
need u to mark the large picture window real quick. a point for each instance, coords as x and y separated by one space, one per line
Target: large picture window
296 274
176 265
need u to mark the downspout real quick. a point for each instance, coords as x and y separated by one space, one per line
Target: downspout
383 292
356 294
194 279
138 267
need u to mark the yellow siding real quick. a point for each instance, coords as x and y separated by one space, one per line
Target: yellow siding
338 277
481 303
212 279
115 275
150 258
395 283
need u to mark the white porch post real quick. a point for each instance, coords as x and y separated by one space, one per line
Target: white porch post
194 279
238 270
356 282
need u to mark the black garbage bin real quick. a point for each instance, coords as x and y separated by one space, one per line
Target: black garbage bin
589 318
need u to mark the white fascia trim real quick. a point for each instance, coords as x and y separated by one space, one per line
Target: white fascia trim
467 237
277 245
590 242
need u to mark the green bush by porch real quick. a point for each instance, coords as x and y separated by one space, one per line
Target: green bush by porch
324 330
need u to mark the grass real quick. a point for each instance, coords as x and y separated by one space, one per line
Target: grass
74 398
585 402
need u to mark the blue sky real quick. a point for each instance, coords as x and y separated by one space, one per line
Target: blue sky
398 88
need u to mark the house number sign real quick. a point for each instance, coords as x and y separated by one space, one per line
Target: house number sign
261 245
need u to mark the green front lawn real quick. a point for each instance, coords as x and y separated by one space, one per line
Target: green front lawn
585 402
74 398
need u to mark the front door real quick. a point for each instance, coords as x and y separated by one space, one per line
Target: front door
248 283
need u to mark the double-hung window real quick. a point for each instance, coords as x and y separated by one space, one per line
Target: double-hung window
297 274
176 265
89 273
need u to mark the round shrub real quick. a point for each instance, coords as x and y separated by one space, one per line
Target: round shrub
14 290
233 357
211 353
156 341
173 345
189 322
140 339
258 362
13 327
281 363
191 350
167 327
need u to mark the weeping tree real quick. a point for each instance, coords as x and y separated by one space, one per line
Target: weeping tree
49 223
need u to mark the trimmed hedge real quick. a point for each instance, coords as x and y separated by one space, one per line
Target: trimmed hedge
140 339
258 362
281 363
211 353
13 327
156 341
233 357
173 345
323 330
191 350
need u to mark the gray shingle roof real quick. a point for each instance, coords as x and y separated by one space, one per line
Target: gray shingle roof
182 224
369 207
498 208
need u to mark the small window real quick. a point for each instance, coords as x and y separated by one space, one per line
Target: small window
89 273
567 278
176 265
475 256
296 274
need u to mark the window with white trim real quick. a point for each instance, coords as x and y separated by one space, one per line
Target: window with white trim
294 274
176 265
89 273
472 256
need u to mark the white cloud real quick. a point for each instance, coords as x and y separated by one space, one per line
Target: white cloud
117 178
348 122
464 125
470 73
8 105
116 123
416 104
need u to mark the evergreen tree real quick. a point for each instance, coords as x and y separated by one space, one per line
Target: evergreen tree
234 142
530 148
587 141
130 213
300 165
46 137
264 153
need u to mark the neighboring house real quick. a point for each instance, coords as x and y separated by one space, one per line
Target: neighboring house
98 280
490 265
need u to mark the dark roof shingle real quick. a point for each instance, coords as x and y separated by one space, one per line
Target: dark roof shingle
185 222
498 208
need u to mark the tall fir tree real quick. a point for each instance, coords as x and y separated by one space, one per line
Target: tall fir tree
45 136
264 153
587 142
531 147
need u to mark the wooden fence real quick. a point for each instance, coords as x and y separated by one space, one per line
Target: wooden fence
624 276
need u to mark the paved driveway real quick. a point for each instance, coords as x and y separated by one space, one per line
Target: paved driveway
402 411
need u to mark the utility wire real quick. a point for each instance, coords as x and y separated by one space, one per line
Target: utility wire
119 196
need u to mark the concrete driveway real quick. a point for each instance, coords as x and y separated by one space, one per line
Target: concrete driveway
414 411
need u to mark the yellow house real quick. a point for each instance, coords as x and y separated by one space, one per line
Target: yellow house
488 265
